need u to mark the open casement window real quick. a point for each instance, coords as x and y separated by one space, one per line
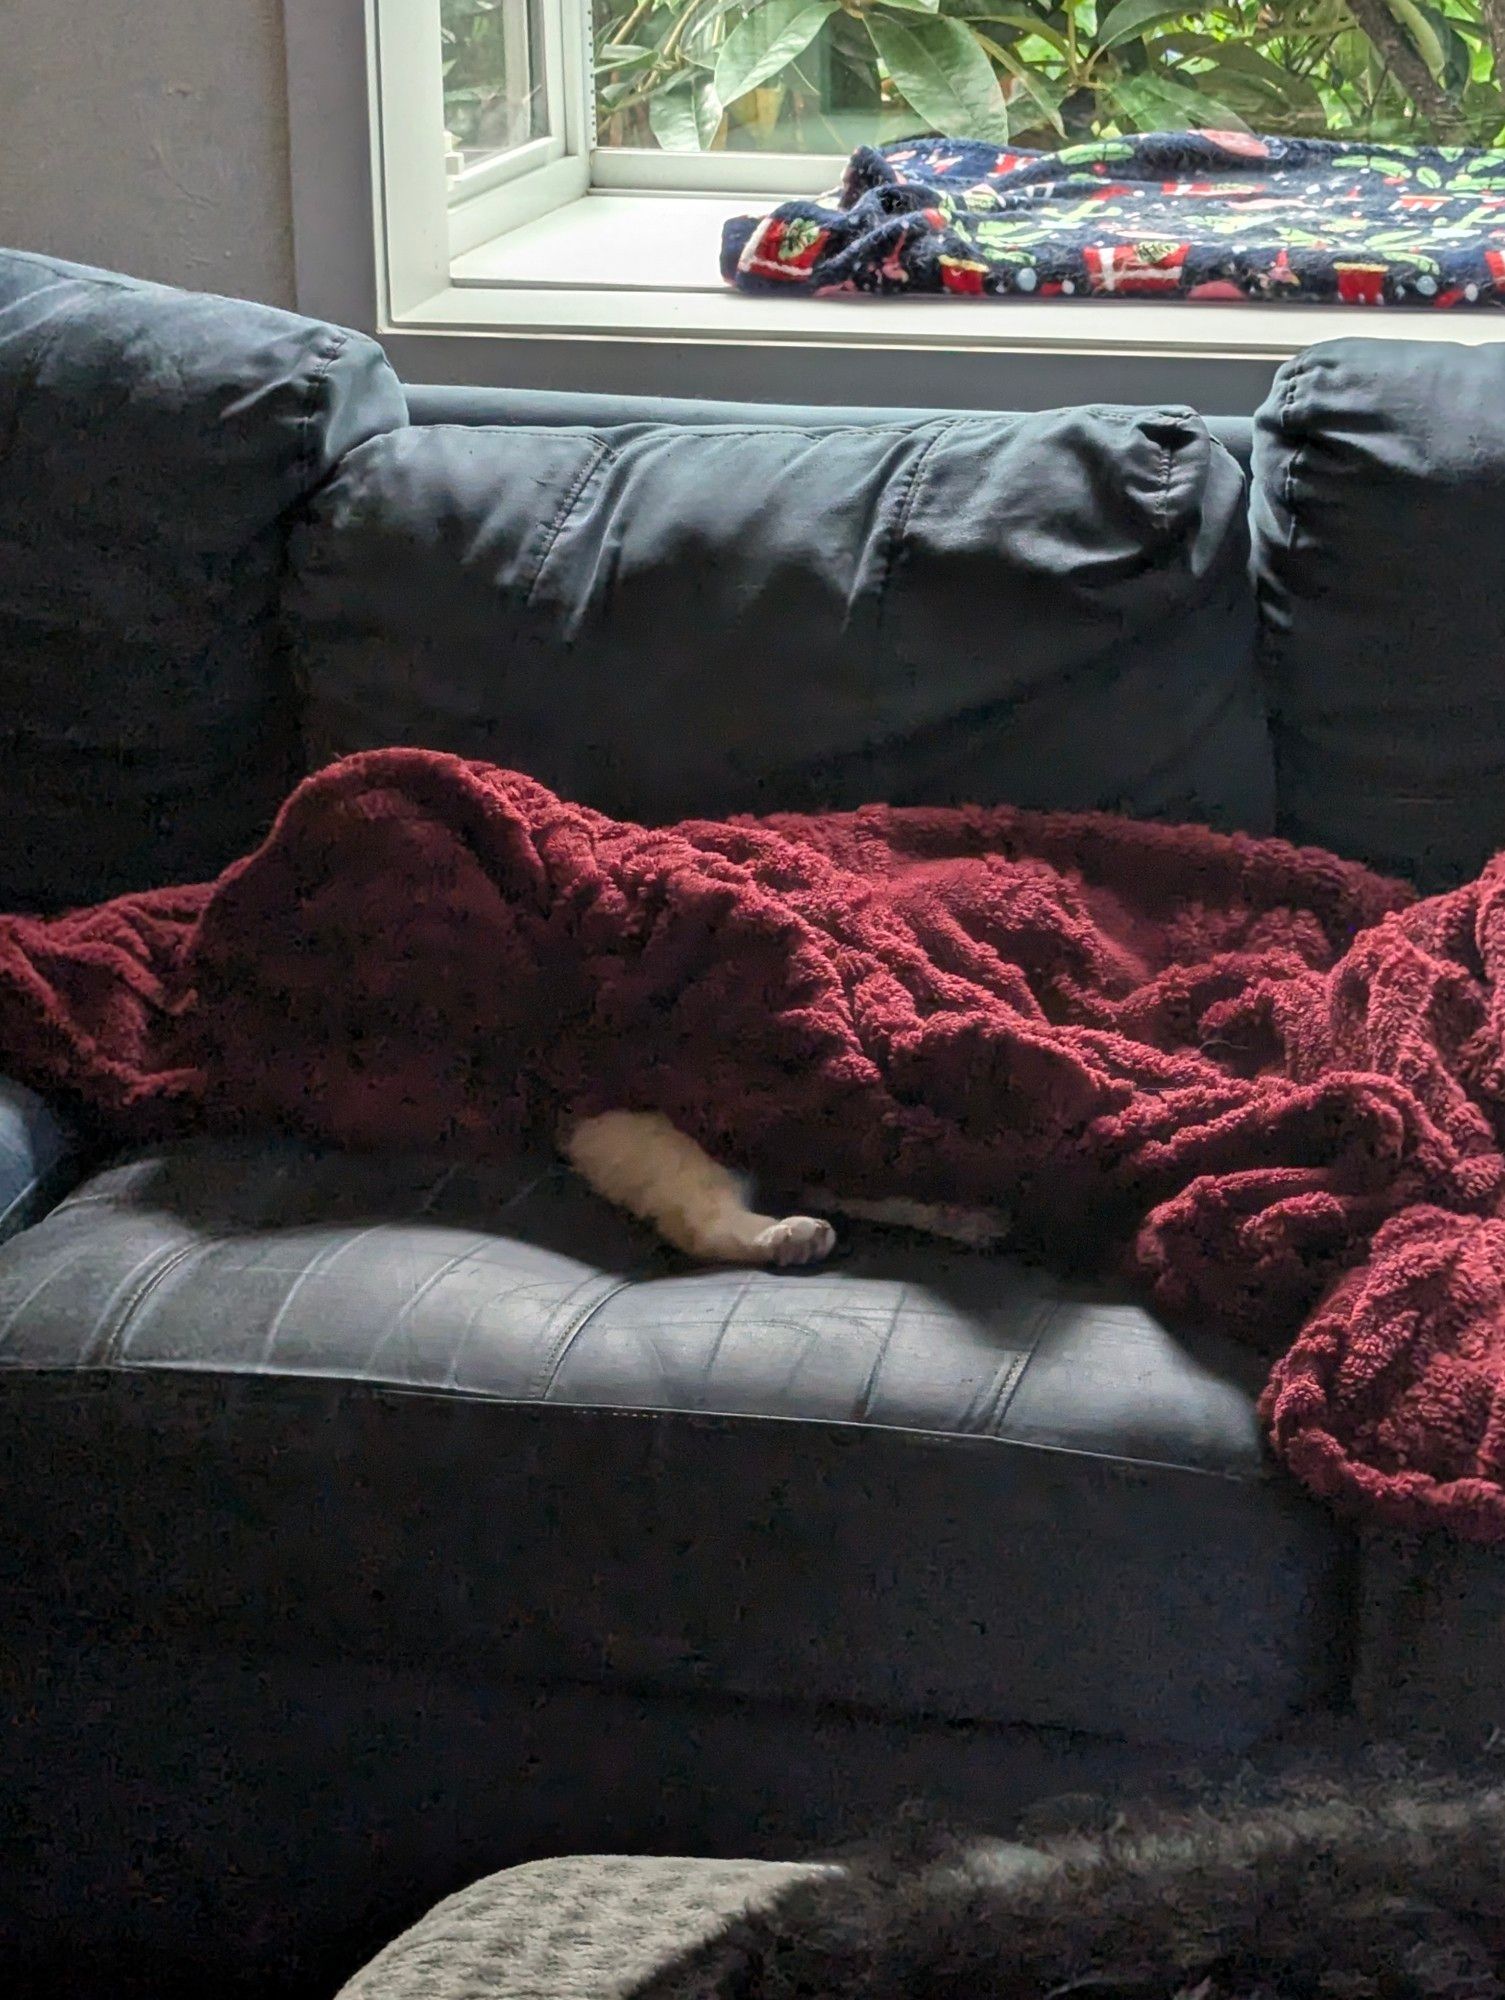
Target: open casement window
494 113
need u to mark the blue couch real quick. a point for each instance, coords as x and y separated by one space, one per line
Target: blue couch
375 1522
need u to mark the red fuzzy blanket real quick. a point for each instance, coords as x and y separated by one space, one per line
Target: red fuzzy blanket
1249 1074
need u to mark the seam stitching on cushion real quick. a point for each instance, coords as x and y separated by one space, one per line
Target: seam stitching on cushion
317 383
562 1346
1044 1317
812 431
902 513
1165 488
562 513
1288 483
124 1319
1270 653
1271 642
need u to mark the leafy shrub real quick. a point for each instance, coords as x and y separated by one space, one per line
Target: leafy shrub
825 75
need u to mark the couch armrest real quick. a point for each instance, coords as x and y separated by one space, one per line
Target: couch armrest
39 1156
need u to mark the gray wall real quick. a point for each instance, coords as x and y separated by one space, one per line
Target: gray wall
149 136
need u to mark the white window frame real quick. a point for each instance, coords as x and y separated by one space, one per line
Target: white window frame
521 185
528 181
527 158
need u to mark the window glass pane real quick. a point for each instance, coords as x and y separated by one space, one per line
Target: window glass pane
494 86
826 75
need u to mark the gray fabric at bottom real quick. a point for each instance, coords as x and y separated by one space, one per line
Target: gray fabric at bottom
584 1927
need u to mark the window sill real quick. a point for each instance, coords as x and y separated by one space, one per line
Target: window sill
622 292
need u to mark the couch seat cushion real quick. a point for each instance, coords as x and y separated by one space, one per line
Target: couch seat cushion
476 1421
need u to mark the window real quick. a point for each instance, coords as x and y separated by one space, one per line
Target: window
497 84
525 105
483 180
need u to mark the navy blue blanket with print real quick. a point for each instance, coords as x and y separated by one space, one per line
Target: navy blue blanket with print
1202 215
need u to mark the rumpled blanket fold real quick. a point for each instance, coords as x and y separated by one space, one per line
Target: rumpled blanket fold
1264 1083
1198 215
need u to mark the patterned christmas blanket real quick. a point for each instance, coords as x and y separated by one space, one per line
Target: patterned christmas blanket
1265 1085
1199 215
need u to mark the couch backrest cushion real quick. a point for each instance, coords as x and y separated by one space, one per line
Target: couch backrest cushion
1379 531
153 446
673 619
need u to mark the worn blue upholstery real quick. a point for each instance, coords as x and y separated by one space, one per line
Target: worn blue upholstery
154 444
1379 521
456 1457
675 619
373 1522
446 403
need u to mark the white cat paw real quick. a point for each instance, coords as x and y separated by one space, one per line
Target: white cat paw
796 1239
